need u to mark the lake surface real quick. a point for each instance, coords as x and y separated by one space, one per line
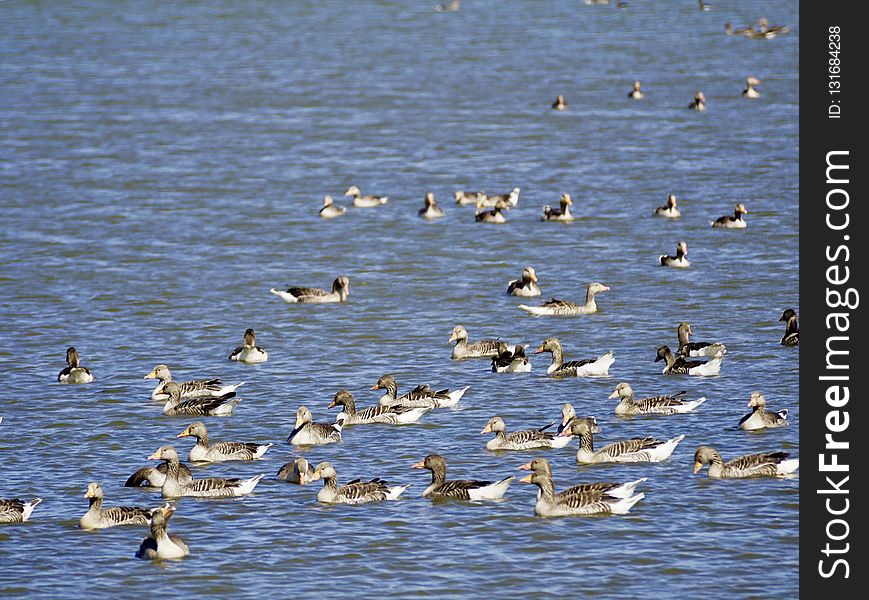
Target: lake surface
161 167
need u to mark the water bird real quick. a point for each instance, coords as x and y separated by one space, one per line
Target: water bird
365 201
699 102
199 388
331 210
492 216
562 213
559 103
175 486
431 210
769 464
392 414
203 451
647 449
307 295
759 417
480 349
249 352
308 433
161 544
421 396
99 518
13 510
670 210
526 286
221 406
355 492
734 221
679 261
297 471
680 366
565 308
688 348
671 404
74 372
459 489
588 367
636 93
521 440
791 336
512 361
750 91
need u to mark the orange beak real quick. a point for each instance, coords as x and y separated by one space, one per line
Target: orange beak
418 465
525 467
697 467
527 478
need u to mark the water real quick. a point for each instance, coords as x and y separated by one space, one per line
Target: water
161 167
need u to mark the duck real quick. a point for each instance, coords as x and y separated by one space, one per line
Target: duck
654 405
687 348
749 91
680 366
174 486
74 373
463 197
481 349
699 102
218 407
393 414
521 440
568 416
680 261
550 504
606 488
452 6
635 92
355 492
526 286
513 361
14 510
588 367
421 396
200 388
308 433
512 199
492 216
768 464
732 222
297 471
366 201
331 210
759 417
559 214
431 210
647 449
155 476
744 31
220 451
305 295
792 330
249 352
565 308
161 544
559 103
670 210
459 489
98 518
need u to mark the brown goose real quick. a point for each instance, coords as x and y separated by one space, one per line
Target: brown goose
607 488
647 449
421 396
221 451
13 510
221 406
355 492
759 417
74 373
521 440
211 487
459 489
249 352
565 308
688 348
526 285
587 367
550 504
655 405
392 414
297 471
568 416
770 464
734 221
308 433
161 544
200 388
680 366
99 518
481 349
155 476
792 329
306 295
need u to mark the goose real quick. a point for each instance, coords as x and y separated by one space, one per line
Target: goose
393 414
200 388
305 295
431 210
355 492
744 31
513 361
211 487
331 210
512 199
161 544
749 91
792 330
732 222
655 405
494 215
526 285
218 407
699 102
297 471
687 348
559 103
13 510
220 451
568 416
452 6
647 449
670 211
680 366
760 418
635 92
155 476
421 396
481 349
459 489
679 261
559 214
308 433
579 503
606 488
98 518
521 440
769 464
73 373
463 197
366 201
588 367
766 32
564 308
249 352
703 5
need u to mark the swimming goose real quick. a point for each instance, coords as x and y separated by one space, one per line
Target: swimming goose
13 510
393 414
526 285
559 214
200 388
792 330
703 5
766 32
431 210
308 433
297 471
305 295
218 407
366 201
492 216
588 367
521 440
512 199
481 349
699 102
155 476
421 396
749 91
745 31
220 451
331 210
568 416
550 504
161 544
355 492
679 261
459 489
687 348
770 464
636 93
680 366
559 103
655 405
211 487
249 352
453 6
513 361
732 222
73 373
98 518
670 210
606 488
564 308
647 449
760 418
463 197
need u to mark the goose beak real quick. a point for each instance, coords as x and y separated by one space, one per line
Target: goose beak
539 350
615 394
453 338
525 467
151 375
526 479
374 387
418 465
332 404
565 433
87 494
314 477
486 429
697 467
185 433
155 456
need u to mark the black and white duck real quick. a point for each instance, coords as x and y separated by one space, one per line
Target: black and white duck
680 261
699 102
562 213
494 215
512 361
688 348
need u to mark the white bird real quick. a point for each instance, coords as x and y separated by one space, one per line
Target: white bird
366 201
331 210
679 261
431 210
